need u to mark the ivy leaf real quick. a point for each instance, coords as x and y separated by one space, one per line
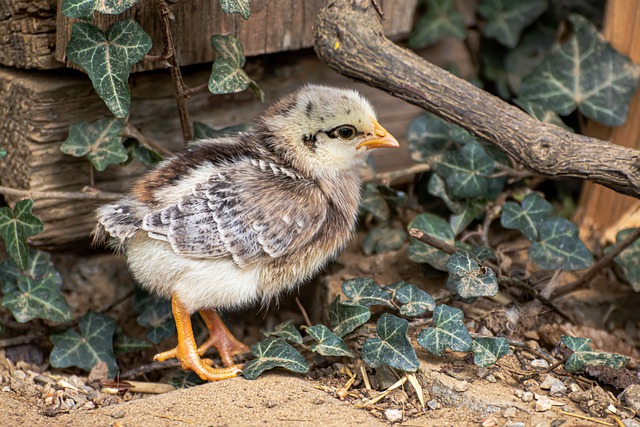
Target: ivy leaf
488 351
373 202
429 136
435 226
16 226
3 152
202 131
93 344
243 7
157 317
438 188
440 21
584 72
39 266
459 221
328 343
36 298
346 318
528 217
469 277
415 302
185 379
544 115
83 9
365 292
123 344
536 41
393 347
107 58
286 330
506 19
100 141
465 170
628 260
274 353
449 332
583 356
559 247
227 75
383 239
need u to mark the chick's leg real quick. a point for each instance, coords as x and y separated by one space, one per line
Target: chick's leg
220 338
187 352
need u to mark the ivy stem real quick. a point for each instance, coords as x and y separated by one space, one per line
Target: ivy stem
89 194
131 131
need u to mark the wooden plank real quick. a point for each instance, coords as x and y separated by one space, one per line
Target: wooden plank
39 107
274 26
600 208
28 34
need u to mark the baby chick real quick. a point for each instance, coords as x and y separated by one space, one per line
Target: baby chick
236 220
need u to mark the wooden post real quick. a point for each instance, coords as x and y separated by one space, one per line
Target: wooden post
603 212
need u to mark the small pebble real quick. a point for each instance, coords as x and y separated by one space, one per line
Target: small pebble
632 396
490 422
432 404
518 424
21 375
271 404
393 415
543 404
318 401
532 335
558 389
539 364
573 387
461 386
510 412
482 373
518 392
491 378
527 396
630 422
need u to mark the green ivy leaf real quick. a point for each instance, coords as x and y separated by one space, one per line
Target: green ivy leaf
628 260
123 344
83 9
202 131
328 343
543 114
107 58
506 19
459 221
39 266
438 188
142 154
383 239
346 318
227 75
528 216
415 302
488 351
583 356
584 72
559 247
469 277
373 201
16 226
157 317
243 7
93 344
435 226
393 347
286 330
100 141
440 21
465 170
185 379
536 41
36 298
429 136
274 353
449 332
493 69
365 292
3 152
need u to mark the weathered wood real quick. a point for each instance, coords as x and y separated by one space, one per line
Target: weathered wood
274 26
349 39
28 34
38 107
600 208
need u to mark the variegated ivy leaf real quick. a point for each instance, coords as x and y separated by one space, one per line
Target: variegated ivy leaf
469 278
487 351
107 58
527 216
39 266
438 188
449 332
100 141
227 75
430 136
202 131
628 260
365 292
584 72
123 344
440 21
346 318
506 19
83 9
584 356
471 211
328 343
393 347
16 226
94 343
157 317
559 247
539 112
286 330
274 353
415 302
36 298
465 171
383 239
533 47
243 7
421 252
373 201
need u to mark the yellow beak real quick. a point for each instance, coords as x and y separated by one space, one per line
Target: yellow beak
380 139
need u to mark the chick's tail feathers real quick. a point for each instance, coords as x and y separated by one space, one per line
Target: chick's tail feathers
118 221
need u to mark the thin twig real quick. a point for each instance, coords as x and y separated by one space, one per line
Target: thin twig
304 312
432 241
584 417
197 89
601 264
131 131
388 177
378 9
19 340
90 194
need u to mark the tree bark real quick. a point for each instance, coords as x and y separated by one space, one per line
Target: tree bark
349 38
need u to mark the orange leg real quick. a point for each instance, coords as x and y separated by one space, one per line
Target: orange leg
187 351
220 338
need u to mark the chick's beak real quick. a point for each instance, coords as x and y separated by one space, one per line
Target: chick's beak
380 138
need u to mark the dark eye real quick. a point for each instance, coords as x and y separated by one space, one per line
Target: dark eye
346 132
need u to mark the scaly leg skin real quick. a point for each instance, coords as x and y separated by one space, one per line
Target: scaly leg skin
220 338
187 351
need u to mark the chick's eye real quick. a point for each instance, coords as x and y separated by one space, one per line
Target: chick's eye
346 132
